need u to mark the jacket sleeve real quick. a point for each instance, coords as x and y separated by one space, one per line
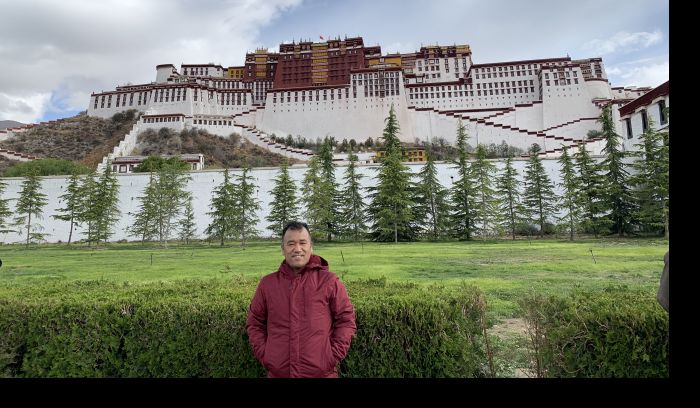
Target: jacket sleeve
343 315
256 323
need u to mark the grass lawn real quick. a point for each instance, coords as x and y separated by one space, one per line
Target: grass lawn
502 269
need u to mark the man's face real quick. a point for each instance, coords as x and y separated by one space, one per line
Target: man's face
297 248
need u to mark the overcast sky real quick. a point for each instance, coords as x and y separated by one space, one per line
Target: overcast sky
53 54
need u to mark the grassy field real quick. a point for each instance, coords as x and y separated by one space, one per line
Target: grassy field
502 269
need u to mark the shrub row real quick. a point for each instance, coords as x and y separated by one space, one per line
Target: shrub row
197 329
615 333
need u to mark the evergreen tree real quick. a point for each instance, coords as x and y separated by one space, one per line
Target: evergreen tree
616 194
73 202
106 205
330 200
432 209
539 195
651 179
571 187
87 212
5 211
312 197
590 180
391 206
463 213
187 224
247 206
224 212
485 203
172 196
283 207
508 188
353 208
144 225
29 204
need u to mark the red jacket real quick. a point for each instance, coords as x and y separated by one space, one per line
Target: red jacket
301 326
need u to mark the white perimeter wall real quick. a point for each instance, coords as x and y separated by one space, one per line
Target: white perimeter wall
201 186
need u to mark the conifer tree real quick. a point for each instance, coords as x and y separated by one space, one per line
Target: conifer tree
5 211
485 203
330 200
539 198
353 208
223 211
651 179
144 225
106 205
187 225
432 206
29 205
87 211
73 202
571 187
391 206
172 195
247 206
590 194
312 197
283 207
462 192
616 194
510 205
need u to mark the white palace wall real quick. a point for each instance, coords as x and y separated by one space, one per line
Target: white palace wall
201 186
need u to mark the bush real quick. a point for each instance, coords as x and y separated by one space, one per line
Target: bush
46 167
614 333
197 329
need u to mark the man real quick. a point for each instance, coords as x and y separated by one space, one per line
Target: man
300 320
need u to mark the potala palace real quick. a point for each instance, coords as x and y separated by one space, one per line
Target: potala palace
344 89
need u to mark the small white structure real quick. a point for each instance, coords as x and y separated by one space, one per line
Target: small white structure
127 164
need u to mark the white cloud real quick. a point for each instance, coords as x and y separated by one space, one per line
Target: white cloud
651 74
23 108
624 42
66 50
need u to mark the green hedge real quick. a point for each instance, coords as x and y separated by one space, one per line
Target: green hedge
616 332
197 329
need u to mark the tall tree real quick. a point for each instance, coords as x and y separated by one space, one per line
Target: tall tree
223 211
187 224
570 184
313 197
432 209
353 208
283 207
539 195
144 225
106 205
391 206
73 202
172 196
247 206
485 203
651 179
463 195
590 194
88 211
616 194
510 205
29 204
5 211
330 200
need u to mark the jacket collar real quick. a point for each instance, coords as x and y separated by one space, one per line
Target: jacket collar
315 263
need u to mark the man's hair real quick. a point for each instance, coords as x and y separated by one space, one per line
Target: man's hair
296 226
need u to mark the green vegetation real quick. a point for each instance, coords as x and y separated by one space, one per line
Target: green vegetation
502 269
156 163
46 167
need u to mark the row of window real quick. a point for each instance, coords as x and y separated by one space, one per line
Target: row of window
502 74
325 95
663 119
164 119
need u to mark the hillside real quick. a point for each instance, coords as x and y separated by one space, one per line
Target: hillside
4 124
86 139
80 138
219 152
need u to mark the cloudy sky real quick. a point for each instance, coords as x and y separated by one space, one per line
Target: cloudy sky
53 54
